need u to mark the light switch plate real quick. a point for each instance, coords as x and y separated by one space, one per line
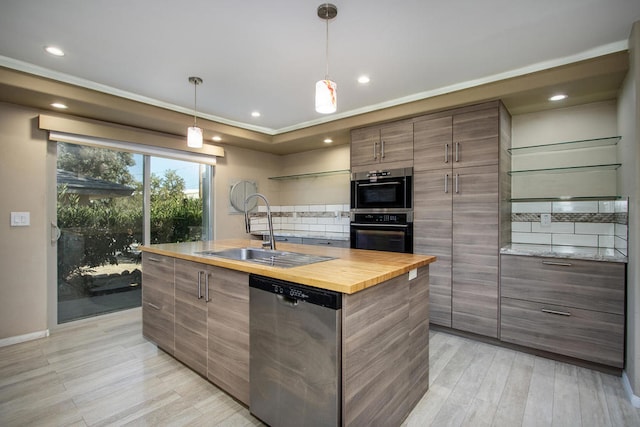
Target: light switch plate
545 220
20 219
413 274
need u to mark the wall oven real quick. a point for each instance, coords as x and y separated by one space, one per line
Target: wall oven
382 231
382 189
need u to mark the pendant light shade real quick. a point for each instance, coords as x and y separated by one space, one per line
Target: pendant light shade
326 89
194 133
194 137
326 97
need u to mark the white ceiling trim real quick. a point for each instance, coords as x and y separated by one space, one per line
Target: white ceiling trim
88 84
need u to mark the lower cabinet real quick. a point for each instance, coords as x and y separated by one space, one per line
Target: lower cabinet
158 300
569 307
199 314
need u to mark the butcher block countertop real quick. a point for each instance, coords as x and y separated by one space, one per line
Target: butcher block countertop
353 269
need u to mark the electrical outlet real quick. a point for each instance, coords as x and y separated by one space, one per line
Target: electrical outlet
545 220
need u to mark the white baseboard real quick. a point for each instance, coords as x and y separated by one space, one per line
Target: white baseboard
635 400
22 338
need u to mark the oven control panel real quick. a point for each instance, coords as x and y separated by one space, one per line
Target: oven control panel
380 218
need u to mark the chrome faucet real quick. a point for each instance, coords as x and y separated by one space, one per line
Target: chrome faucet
247 223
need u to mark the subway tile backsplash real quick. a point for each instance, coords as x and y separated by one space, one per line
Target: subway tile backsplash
601 224
319 219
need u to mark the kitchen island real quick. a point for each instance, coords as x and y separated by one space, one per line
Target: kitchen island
196 308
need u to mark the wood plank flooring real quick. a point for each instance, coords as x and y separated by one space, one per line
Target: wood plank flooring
101 372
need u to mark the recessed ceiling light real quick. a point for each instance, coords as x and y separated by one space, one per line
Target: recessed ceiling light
55 51
217 138
363 80
328 140
255 114
558 97
59 105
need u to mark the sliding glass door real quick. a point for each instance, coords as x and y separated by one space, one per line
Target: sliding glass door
102 219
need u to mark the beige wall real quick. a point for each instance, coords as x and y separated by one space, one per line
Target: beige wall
321 189
629 153
23 260
595 120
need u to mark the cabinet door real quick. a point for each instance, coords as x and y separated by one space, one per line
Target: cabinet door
475 250
228 329
396 143
157 300
432 236
364 146
476 137
432 143
191 315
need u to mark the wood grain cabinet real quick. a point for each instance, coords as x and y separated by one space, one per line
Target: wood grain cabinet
228 332
458 161
157 300
389 146
191 297
564 306
199 314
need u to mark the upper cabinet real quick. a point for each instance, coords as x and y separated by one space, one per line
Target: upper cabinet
389 145
465 138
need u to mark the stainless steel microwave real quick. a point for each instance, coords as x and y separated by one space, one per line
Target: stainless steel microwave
382 189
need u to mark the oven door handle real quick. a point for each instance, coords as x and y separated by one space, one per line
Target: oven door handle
357 224
380 183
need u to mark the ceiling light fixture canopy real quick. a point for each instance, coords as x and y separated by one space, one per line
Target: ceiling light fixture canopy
326 89
194 133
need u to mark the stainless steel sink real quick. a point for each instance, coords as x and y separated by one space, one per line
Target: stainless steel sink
269 257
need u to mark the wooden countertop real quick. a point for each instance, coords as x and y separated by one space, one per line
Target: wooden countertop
353 269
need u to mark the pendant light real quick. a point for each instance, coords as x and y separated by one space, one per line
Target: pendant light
194 133
326 93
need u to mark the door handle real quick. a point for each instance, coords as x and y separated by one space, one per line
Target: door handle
457 151
375 151
561 264
55 233
200 284
457 183
446 153
446 183
559 313
206 287
382 149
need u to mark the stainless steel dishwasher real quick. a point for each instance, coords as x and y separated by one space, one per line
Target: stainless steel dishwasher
295 353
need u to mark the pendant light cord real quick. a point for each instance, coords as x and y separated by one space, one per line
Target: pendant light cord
326 76
195 101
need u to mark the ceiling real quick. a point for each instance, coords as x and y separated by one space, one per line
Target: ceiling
266 56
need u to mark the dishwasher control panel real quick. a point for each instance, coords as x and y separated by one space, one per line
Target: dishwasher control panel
296 291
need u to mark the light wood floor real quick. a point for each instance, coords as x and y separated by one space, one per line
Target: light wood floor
102 372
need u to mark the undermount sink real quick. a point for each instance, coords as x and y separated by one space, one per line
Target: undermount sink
269 257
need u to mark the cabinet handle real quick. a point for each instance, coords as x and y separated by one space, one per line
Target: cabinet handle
457 151
153 306
446 153
200 284
375 151
457 183
154 259
206 288
561 264
559 313
446 183
382 149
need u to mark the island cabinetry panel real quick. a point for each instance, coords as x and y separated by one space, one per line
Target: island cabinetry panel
457 213
564 306
385 367
384 146
158 300
228 332
191 296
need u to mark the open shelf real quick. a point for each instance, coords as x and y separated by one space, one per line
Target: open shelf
566 199
311 175
612 166
568 145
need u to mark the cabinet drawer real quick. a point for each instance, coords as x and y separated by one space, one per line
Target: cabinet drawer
583 334
326 242
589 285
158 318
157 272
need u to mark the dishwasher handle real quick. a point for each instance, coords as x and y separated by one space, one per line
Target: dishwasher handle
288 301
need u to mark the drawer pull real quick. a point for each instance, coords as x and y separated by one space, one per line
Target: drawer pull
154 259
561 264
153 306
559 313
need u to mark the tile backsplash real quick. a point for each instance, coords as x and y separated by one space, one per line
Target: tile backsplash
601 224
311 218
